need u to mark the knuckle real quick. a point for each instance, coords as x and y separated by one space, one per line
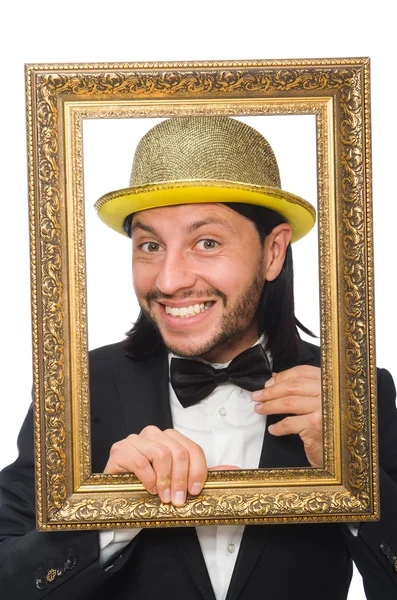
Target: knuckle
163 481
293 384
116 448
192 446
162 453
179 480
181 455
139 462
316 420
150 430
276 428
149 480
197 451
198 462
305 371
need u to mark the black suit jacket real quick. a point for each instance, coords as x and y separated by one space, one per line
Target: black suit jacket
275 561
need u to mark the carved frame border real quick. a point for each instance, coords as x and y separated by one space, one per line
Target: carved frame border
337 92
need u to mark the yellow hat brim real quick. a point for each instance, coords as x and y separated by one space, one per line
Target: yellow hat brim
114 207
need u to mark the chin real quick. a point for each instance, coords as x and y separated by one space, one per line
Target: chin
188 350
210 349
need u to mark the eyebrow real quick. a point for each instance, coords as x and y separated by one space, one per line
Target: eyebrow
189 228
140 225
209 221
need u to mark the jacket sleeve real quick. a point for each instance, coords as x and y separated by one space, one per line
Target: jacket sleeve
34 565
374 549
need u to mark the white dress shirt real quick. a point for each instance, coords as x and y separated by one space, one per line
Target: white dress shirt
230 432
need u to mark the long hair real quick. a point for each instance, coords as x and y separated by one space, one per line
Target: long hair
275 308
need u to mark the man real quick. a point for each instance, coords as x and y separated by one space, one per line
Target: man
211 232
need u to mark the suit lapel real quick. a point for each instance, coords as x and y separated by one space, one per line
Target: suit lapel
286 451
143 393
189 549
144 398
276 453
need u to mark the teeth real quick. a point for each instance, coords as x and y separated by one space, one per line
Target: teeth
188 311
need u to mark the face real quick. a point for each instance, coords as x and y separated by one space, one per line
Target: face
199 271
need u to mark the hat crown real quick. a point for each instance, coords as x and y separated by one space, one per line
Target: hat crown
204 148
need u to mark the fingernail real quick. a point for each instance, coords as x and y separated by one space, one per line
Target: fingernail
179 498
256 394
196 488
167 495
270 428
269 382
258 407
154 491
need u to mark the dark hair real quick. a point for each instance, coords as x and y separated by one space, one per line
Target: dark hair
276 305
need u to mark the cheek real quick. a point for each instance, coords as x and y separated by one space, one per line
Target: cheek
215 273
143 278
232 277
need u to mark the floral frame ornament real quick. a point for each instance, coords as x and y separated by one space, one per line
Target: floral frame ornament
59 99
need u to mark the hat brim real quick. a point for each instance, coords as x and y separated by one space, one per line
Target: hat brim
114 207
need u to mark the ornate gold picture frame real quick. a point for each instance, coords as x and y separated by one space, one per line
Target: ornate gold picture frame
60 98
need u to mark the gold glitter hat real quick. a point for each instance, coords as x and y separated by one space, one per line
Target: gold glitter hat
189 160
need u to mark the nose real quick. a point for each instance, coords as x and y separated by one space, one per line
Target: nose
176 273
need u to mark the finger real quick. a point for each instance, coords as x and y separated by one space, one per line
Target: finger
297 405
300 371
309 428
170 463
159 456
177 478
125 457
294 386
197 471
291 425
180 470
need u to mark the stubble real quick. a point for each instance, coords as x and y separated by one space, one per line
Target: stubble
236 320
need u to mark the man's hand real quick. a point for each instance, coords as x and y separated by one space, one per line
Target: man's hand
296 391
167 463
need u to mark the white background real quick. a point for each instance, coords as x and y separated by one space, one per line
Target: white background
108 148
50 32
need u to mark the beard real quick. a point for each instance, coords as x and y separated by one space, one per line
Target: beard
234 324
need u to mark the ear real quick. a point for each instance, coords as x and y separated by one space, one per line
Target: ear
275 248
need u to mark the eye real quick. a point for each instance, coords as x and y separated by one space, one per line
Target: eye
207 244
150 247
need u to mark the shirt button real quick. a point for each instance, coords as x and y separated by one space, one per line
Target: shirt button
222 411
231 548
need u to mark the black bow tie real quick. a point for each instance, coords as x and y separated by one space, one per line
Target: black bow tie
193 380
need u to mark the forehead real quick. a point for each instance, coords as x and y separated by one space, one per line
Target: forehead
188 216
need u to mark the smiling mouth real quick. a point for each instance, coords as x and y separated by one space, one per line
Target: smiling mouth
188 311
